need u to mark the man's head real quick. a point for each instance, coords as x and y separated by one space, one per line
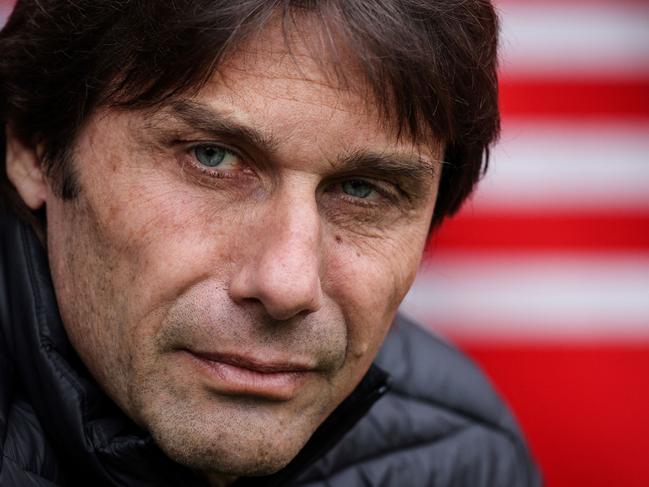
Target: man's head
237 196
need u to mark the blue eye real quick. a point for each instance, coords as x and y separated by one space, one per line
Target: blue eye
357 188
210 155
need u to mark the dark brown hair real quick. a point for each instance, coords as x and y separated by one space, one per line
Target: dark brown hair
430 63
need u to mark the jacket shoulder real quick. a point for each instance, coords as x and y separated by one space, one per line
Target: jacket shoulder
6 387
441 424
26 457
426 368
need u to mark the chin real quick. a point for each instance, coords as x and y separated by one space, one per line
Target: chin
230 460
228 446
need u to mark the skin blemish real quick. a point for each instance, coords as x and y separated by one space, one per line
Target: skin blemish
339 239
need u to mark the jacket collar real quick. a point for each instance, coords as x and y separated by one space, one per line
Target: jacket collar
90 432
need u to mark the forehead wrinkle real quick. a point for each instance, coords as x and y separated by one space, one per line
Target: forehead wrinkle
330 95
303 42
291 53
280 69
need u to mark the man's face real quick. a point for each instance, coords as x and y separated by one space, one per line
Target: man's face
234 259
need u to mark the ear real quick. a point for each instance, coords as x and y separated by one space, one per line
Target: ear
25 172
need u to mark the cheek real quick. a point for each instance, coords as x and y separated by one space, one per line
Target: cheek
164 237
162 230
369 282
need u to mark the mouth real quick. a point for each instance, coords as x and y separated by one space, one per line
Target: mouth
238 375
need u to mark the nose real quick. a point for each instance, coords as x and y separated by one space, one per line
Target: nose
281 270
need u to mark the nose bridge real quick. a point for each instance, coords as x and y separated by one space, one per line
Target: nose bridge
283 271
291 244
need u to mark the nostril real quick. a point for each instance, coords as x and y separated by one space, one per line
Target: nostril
291 298
283 292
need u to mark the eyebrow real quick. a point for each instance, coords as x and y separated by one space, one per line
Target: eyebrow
388 164
215 122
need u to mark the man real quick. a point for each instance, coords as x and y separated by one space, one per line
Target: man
213 211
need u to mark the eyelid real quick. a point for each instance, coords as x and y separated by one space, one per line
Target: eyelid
187 157
191 138
382 192
384 187
193 145
399 190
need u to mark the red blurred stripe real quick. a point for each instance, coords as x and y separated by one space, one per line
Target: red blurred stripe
502 231
575 98
585 409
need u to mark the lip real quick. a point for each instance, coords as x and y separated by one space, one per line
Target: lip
246 376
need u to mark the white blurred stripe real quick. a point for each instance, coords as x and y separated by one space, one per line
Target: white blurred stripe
554 165
534 295
574 38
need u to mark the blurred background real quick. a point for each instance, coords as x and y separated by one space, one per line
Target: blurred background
544 276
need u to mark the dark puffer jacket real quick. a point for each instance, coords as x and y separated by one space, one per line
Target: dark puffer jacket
440 424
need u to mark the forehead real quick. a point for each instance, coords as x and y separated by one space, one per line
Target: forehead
292 85
298 52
